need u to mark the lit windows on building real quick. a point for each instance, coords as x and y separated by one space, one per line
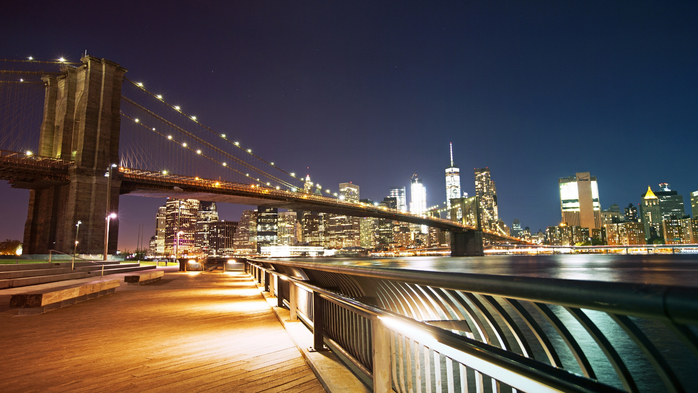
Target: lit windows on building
418 203
579 201
486 192
267 226
349 192
452 181
400 196
651 215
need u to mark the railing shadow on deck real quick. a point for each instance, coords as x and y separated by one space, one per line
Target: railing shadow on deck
412 331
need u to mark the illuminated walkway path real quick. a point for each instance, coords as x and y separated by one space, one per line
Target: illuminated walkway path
187 332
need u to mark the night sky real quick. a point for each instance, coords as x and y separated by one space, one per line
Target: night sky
372 92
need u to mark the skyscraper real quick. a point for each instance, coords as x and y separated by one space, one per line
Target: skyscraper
452 181
349 192
418 204
400 196
694 204
650 214
160 225
486 192
267 226
631 213
206 215
181 216
579 201
670 202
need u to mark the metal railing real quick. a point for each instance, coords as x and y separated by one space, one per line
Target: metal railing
425 331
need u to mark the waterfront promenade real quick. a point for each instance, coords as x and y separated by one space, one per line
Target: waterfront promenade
188 332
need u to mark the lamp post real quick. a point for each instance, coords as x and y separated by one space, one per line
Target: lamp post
106 235
109 213
75 249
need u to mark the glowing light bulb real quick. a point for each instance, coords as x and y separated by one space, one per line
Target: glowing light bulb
136 120
198 152
293 174
222 135
176 107
249 151
193 118
29 153
224 164
272 163
153 128
140 84
184 144
31 58
62 59
164 172
169 137
159 97
237 143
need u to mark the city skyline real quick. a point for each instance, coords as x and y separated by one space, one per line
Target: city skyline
371 93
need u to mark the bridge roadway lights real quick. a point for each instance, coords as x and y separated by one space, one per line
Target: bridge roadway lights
467 244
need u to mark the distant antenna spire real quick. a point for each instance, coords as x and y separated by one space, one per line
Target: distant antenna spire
451 144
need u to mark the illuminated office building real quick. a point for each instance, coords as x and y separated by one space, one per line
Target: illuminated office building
452 181
579 201
289 229
631 213
222 237
625 233
400 196
349 192
670 203
486 192
418 204
267 226
694 204
160 225
678 231
245 238
180 218
206 215
651 214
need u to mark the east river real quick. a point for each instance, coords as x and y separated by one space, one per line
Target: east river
662 269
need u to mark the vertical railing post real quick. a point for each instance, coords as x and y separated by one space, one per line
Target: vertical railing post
292 301
266 281
318 323
380 338
279 298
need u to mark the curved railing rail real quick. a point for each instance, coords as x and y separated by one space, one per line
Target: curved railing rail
469 332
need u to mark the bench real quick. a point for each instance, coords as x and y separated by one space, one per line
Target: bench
41 301
144 278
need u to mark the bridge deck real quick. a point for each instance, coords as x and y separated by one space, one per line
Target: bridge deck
187 332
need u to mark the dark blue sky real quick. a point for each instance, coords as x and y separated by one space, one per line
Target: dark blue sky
372 92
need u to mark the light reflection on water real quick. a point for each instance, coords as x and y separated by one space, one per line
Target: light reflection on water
649 269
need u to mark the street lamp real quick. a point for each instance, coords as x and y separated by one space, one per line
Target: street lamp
75 250
106 235
109 213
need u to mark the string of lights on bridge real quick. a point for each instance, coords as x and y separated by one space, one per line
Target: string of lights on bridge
224 137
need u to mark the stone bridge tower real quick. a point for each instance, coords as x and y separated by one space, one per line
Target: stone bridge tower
81 124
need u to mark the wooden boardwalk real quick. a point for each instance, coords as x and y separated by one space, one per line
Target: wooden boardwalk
188 332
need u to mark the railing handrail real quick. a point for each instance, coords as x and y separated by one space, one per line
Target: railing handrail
674 303
534 372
